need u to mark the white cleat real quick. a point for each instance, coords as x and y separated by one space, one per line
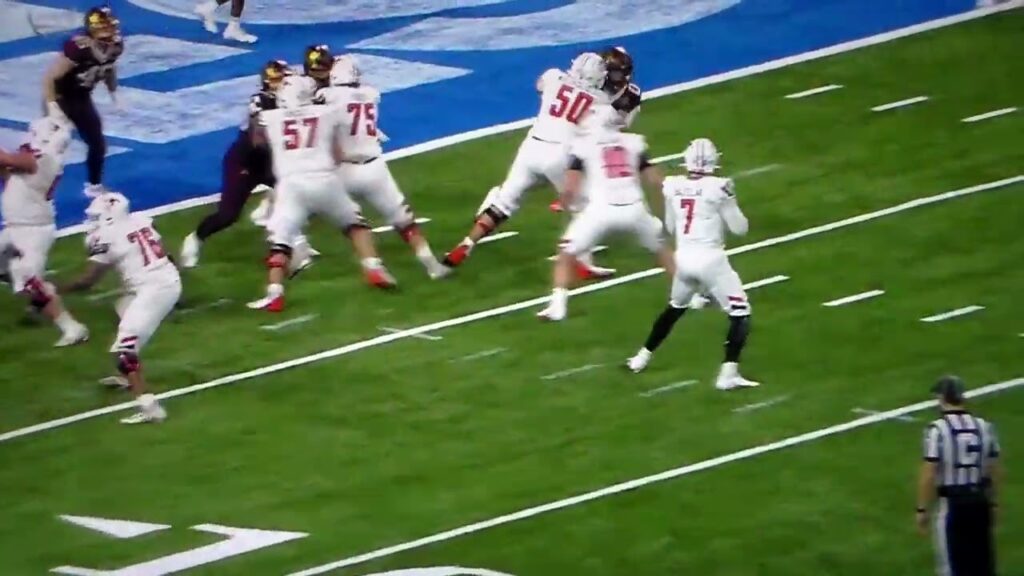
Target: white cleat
268 303
190 251
551 314
438 272
206 11
235 32
639 361
118 382
77 335
699 301
314 253
734 382
152 415
94 190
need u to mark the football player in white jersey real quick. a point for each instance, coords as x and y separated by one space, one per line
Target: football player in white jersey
26 205
129 242
306 151
608 167
566 97
700 207
363 170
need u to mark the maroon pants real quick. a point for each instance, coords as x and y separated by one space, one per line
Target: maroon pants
244 167
79 108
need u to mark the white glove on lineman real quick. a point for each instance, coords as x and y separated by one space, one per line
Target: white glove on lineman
381 136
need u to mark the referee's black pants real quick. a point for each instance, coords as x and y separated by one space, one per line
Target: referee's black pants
963 537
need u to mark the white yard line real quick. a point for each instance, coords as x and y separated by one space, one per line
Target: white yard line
992 114
498 236
454 139
571 371
106 294
814 91
759 405
383 229
206 306
953 313
666 158
391 330
668 388
479 355
290 322
646 481
853 298
502 310
755 171
865 411
765 282
899 104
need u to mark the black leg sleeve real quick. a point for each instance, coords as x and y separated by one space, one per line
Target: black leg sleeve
736 339
663 326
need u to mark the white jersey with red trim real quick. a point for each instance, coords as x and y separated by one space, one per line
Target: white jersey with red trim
701 209
301 139
611 164
27 199
563 104
359 111
133 245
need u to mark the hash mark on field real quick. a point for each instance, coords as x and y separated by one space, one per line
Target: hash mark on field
867 412
391 330
383 229
479 355
755 171
813 91
899 104
496 237
595 250
759 405
571 371
206 306
953 313
853 298
636 483
765 282
290 322
992 114
104 295
668 388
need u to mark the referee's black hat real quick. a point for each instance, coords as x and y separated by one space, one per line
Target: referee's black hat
950 388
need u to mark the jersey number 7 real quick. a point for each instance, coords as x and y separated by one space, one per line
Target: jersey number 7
687 204
570 104
292 131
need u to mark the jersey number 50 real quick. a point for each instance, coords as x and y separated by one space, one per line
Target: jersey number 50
292 131
570 104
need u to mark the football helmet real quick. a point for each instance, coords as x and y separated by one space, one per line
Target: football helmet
345 71
318 61
619 64
701 156
273 74
295 92
49 135
102 25
107 208
589 71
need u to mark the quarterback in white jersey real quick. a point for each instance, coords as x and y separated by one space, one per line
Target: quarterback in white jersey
607 166
31 175
700 207
306 150
363 169
566 98
129 242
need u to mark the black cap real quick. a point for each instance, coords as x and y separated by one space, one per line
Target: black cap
951 388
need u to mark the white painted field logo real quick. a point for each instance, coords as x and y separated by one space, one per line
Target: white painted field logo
319 11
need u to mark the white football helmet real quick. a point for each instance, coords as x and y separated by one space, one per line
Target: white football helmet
701 156
49 135
345 71
107 208
296 91
602 119
589 71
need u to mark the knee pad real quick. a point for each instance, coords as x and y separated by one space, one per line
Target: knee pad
40 293
408 232
279 255
128 362
495 214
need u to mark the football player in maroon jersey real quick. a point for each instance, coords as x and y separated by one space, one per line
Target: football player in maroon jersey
87 59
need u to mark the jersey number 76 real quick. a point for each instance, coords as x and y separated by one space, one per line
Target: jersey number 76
148 245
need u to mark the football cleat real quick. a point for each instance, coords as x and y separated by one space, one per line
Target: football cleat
589 271
94 190
152 415
457 256
553 313
190 251
206 11
117 382
380 278
438 271
77 335
734 382
556 206
639 361
699 301
235 32
268 304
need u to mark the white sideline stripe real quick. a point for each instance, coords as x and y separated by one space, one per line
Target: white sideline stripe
104 295
760 405
290 322
501 310
813 91
863 411
479 355
853 298
953 313
383 229
668 388
649 95
992 114
899 104
430 337
648 480
498 236
571 371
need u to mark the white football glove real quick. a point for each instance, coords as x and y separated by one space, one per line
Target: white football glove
381 136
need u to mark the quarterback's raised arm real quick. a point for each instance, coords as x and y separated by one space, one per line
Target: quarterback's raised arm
734 218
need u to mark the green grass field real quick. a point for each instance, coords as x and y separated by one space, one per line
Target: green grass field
406 439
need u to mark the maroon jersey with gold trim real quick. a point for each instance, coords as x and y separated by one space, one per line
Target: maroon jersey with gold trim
93 62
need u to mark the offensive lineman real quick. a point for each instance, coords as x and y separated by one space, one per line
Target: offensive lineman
306 151
699 207
614 163
67 87
130 243
364 172
28 215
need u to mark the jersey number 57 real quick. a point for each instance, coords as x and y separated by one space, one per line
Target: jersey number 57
299 133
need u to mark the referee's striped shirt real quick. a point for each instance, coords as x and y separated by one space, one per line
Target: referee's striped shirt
964 447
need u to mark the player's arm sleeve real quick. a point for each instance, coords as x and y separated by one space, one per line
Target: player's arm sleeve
932 443
734 218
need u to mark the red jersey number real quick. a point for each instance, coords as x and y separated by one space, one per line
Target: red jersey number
300 133
364 115
616 162
570 104
687 204
149 246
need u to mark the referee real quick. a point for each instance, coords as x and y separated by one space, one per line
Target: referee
961 470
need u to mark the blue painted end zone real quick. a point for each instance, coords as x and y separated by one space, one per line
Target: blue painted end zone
454 90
